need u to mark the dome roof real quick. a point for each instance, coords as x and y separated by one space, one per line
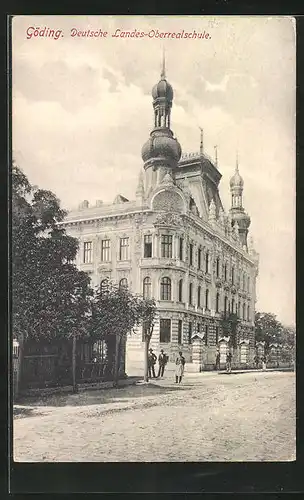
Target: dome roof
160 145
162 89
236 180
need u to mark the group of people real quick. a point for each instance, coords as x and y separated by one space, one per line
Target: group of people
257 361
228 361
162 361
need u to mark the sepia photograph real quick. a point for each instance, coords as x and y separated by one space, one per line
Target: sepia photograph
153 238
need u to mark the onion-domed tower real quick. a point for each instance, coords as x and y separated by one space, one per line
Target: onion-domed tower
237 212
162 151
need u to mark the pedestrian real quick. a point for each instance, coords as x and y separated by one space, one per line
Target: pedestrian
162 361
151 362
256 361
217 360
180 367
264 363
228 362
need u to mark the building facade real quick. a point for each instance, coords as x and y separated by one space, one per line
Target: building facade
174 242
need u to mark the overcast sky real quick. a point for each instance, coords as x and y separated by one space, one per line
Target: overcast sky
82 110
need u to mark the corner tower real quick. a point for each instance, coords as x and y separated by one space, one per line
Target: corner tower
237 213
162 151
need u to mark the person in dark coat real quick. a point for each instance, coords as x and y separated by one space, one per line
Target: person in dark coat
217 360
162 361
180 367
151 362
228 362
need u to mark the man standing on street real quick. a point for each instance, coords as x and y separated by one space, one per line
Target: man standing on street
151 362
180 367
162 361
228 362
217 360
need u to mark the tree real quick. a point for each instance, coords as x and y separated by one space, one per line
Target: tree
230 322
50 296
148 316
267 329
115 312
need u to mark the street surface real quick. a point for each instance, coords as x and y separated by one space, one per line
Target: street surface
209 417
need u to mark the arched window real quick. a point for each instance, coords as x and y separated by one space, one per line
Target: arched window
207 298
248 313
207 262
244 281
225 271
244 311
199 296
239 310
225 305
147 288
248 283
218 267
217 302
180 291
165 289
190 293
104 285
232 306
123 283
232 276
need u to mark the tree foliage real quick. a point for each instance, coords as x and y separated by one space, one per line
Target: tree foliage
271 331
50 296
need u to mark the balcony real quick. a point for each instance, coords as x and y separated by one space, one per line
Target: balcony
163 262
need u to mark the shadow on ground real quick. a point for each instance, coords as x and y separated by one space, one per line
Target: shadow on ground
21 412
101 396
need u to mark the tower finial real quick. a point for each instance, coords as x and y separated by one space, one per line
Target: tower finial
237 162
202 140
215 150
163 71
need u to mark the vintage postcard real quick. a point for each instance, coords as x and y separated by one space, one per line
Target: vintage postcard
153 238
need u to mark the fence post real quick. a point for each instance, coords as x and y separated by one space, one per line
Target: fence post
75 388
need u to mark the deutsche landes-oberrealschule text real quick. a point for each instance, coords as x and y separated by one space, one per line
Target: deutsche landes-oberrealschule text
45 32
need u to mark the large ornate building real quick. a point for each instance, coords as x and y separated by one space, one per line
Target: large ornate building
174 242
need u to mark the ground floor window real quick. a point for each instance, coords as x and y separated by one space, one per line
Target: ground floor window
165 330
190 332
180 331
206 334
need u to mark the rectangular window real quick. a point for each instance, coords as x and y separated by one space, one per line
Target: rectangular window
191 254
87 252
148 245
207 299
199 258
105 250
124 249
216 334
180 332
165 330
166 246
180 291
217 267
190 333
181 248
199 296
206 334
207 262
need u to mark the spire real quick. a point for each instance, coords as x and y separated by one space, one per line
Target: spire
202 141
163 71
215 150
237 162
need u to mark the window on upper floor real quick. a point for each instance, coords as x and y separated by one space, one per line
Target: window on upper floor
165 289
225 271
248 284
147 288
87 252
243 316
199 258
181 249
190 332
191 254
124 249
207 262
207 298
180 291
105 250
217 302
199 289
226 305
190 293
148 245
166 246
232 306
217 267
232 275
